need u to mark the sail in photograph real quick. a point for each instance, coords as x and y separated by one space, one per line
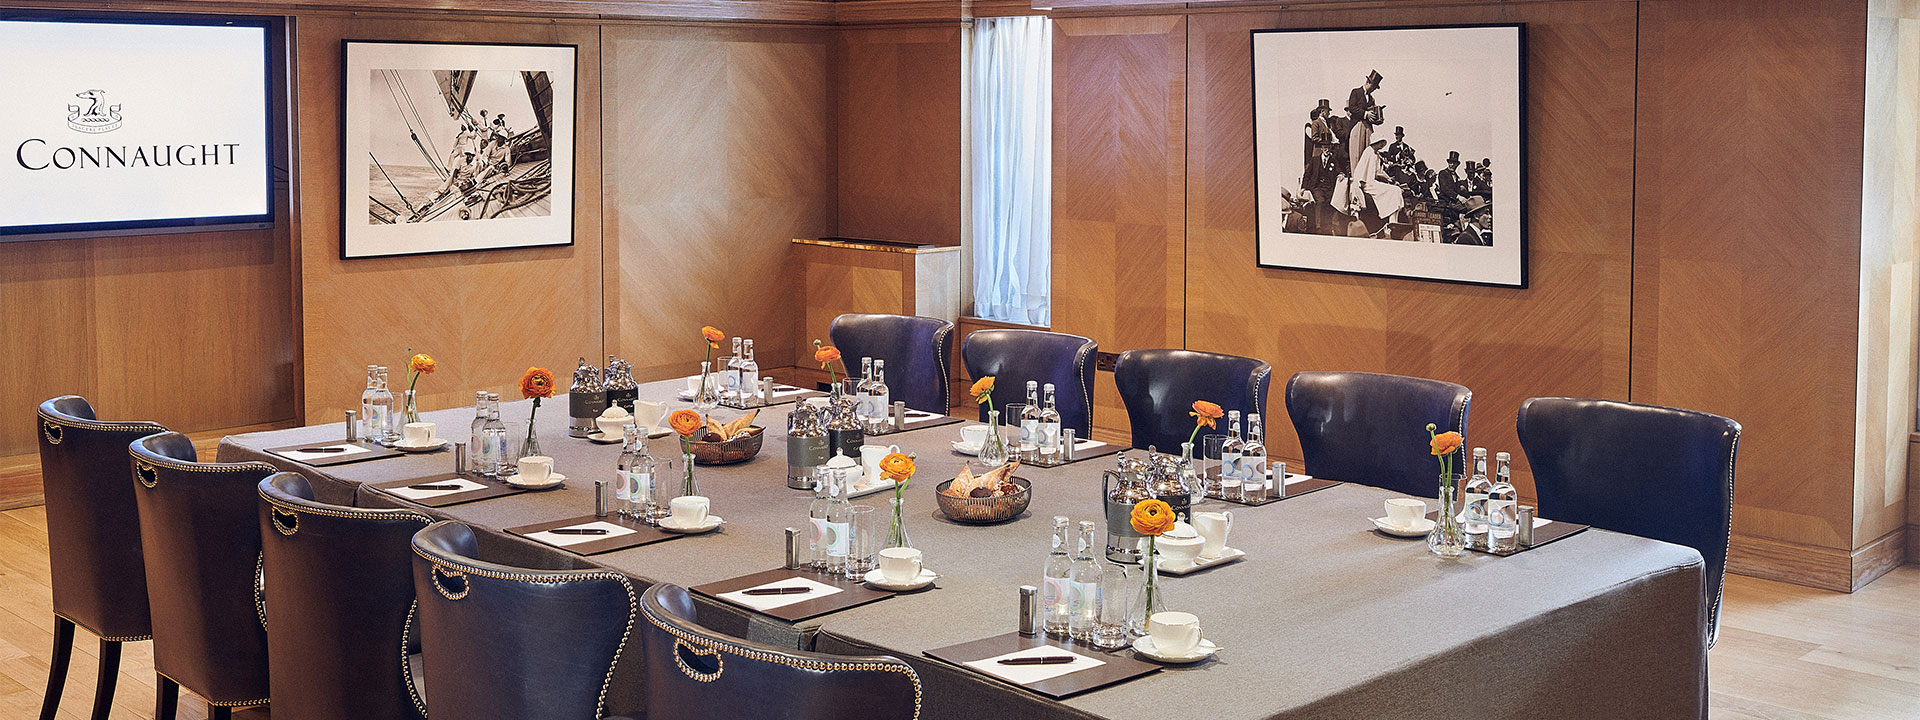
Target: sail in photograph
488 172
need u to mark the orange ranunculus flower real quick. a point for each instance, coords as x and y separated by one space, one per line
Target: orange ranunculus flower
712 334
537 383
686 422
897 467
422 363
1152 517
1204 413
826 354
1446 442
981 389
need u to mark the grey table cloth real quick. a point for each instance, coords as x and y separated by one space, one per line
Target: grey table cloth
1324 618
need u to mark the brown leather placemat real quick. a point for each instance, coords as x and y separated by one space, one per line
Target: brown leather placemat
852 594
782 395
1118 667
378 452
1104 450
923 423
643 534
493 489
1553 530
1293 491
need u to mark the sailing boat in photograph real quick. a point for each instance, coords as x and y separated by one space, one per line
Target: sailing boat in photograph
488 171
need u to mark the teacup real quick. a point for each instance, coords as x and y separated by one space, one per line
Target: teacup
973 435
689 510
900 565
1405 512
693 385
1213 528
1174 633
648 414
535 469
417 433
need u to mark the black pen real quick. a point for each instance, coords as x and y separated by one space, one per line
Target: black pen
777 591
579 531
442 486
1041 660
322 450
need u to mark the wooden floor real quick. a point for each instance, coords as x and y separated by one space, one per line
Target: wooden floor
1785 653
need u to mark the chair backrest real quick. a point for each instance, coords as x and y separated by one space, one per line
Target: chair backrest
915 348
1014 356
1371 428
1159 387
93 528
199 528
697 674
340 589
1646 470
507 643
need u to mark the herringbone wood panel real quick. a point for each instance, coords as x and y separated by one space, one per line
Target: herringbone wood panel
899 133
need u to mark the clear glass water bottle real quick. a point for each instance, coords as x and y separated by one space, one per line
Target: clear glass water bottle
863 399
1083 597
364 424
749 370
1230 451
839 529
1055 578
1502 509
1030 424
817 518
623 497
880 419
493 440
473 432
730 379
1253 462
644 474
1473 515
1049 428
382 418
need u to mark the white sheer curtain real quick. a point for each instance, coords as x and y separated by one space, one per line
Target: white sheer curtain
1012 168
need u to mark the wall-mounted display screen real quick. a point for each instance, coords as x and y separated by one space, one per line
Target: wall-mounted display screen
125 124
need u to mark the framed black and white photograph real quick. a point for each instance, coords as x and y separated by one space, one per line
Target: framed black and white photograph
453 147
1397 152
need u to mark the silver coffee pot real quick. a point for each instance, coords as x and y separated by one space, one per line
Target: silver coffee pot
1122 489
586 399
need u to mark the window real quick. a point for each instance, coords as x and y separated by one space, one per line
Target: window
1012 98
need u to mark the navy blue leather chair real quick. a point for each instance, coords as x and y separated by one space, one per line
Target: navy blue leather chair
1371 428
93 541
508 643
696 674
915 348
340 591
1159 387
1013 357
1646 470
200 533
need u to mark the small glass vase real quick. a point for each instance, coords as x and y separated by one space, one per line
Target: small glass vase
1447 540
708 397
1149 597
897 531
993 452
531 445
412 409
687 484
1196 487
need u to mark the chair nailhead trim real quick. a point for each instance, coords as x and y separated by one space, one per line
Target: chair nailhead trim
83 626
719 659
802 663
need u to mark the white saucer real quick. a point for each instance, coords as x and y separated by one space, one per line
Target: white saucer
553 480
876 579
601 437
1419 529
965 449
1227 555
437 443
672 524
1204 650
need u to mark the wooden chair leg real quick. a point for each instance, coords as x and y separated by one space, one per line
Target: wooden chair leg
169 698
109 675
57 667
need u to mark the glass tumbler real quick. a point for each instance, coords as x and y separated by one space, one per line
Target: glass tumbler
665 486
1211 462
1017 443
863 547
1110 609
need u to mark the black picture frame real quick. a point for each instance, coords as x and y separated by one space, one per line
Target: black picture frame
1503 264
556 226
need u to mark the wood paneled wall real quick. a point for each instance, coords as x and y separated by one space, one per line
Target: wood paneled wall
485 316
719 151
898 104
1694 235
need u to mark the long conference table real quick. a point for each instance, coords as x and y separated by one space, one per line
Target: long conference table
1324 618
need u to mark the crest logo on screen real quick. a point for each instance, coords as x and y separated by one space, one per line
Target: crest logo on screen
95 116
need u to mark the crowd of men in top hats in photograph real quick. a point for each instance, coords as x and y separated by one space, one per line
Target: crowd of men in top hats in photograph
1359 182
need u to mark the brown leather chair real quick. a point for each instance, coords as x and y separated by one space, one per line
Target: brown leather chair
93 541
508 643
340 583
697 674
200 528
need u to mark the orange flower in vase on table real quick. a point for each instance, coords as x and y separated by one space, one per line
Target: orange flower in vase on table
536 385
713 336
1204 414
1152 517
685 422
827 355
421 364
1446 443
897 467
